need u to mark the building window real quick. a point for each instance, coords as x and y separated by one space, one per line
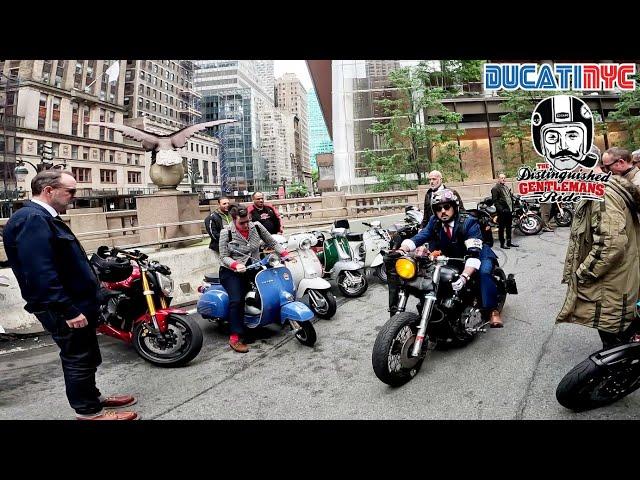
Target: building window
74 152
42 111
129 160
102 119
185 165
75 113
111 116
55 114
83 175
101 155
46 71
111 156
59 73
214 172
107 176
134 177
205 171
136 159
85 153
77 76
91 65
85 120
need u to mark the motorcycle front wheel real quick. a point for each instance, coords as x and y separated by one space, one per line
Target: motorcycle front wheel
530 224
390 357
322 303
564 219
589 386
305 332
352 283
182 342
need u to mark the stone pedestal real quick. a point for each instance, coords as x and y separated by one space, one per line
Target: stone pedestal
89 220
334 200
168 207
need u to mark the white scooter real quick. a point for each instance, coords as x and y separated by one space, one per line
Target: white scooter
367 247
307 274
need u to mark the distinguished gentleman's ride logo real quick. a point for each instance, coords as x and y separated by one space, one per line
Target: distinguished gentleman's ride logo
562 125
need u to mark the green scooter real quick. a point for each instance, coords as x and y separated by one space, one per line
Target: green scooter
337 261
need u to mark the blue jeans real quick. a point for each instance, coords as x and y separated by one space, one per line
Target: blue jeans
488 287
237 285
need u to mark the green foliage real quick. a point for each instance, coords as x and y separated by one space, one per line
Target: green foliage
627 112
296 190
416 138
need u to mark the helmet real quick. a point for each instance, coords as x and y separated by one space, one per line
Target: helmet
556 114
445 196
110 268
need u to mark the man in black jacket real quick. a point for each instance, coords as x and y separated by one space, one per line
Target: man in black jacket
61 290
502 199
266 214
436 185
216 221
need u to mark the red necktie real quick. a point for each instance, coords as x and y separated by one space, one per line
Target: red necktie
447 230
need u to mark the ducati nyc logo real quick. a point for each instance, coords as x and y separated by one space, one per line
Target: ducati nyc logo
562 133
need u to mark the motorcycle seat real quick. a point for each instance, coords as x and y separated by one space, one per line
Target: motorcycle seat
354 237
212 278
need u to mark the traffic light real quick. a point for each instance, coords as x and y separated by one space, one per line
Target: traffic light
47 153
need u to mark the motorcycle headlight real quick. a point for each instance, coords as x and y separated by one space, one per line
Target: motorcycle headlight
165 283
274 261
305 244
406 268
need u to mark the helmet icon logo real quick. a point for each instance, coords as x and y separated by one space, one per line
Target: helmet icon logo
562 132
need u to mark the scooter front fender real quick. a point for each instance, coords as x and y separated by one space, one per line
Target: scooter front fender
214 303
349 265
312 284
377 261
296 311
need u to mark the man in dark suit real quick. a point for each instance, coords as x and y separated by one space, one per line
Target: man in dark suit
435 185
502 199
61 290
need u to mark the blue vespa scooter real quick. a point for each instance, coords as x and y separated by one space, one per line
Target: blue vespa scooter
272 300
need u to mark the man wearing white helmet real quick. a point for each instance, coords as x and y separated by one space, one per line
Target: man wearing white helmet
458 234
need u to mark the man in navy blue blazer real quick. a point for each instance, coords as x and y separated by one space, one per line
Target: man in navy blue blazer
458 235
61 290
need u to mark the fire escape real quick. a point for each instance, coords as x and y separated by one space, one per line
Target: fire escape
190 113
9 121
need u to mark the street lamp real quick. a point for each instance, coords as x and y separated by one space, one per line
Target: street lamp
46 163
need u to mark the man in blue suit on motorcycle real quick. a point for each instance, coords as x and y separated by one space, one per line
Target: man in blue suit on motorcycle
458 234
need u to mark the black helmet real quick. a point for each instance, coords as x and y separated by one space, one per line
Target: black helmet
110 268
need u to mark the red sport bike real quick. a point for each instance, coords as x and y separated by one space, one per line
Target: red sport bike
134 307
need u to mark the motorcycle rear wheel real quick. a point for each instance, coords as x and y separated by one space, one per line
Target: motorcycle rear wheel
589 386
327 303
184 330
530 224
390 356
349 290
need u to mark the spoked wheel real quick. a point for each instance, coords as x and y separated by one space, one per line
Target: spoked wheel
564 219
305 333
589 385
530 224
322 303
381 272
352 283
181 343
391 358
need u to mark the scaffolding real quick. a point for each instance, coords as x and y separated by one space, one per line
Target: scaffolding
9 122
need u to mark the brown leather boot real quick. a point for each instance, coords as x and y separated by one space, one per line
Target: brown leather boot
110 415
239 346
495 321
118 401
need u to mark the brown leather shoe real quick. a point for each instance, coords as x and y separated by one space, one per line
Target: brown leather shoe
239 346
119 401
496 321
110 415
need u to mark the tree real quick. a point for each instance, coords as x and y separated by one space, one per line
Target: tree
297 190
419 135
627 111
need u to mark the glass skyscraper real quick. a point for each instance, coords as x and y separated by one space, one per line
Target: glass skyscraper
319 140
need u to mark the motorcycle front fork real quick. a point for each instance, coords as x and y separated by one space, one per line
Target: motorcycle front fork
148 295
429 301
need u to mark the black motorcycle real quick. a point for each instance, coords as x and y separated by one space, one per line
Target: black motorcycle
401 231
445 317
523 218
603 378
561 212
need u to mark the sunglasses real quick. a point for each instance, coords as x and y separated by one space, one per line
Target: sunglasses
606 166
445 206
72 191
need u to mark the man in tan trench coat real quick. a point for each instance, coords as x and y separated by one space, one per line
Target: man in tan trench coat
602 266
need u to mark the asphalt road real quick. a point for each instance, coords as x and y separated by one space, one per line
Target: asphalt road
508 373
